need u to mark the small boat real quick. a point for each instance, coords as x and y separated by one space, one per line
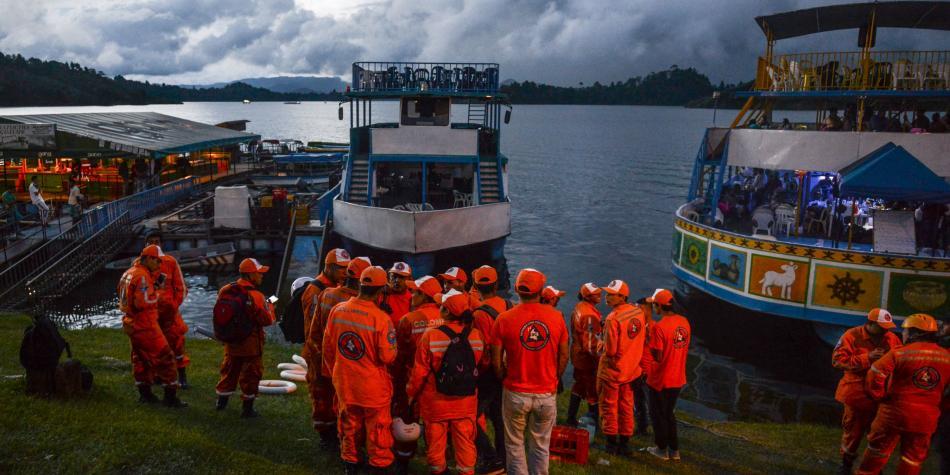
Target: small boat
291 102
197 258
246 101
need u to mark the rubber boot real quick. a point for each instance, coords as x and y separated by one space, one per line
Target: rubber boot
183 379
623 446
847 465
351 468
380 470
247 409
572 408
171 398
611 444
222 403
146 396
329 441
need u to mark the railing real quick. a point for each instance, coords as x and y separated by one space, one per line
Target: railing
841 71
450 78
324 203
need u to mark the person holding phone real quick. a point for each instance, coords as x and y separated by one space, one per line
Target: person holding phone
170 284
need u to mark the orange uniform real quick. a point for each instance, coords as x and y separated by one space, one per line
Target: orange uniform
530 334
444 414
624 335
358 344
484 321
398 305
670 337
309 300
319 383
170 297
242 363
585 344
408 334
909 381
152 358
851 356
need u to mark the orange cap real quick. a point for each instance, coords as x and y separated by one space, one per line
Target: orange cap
411 284
455 273
373 276
617 287
922 322
455 302
661 296
401 268
428 285
550 293
338 256
530 281
485 275
356 266
589 289
251 266
881 317
152 250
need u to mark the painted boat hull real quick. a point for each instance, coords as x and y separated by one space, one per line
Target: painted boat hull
197 258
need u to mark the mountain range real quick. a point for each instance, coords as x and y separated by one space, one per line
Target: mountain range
284 84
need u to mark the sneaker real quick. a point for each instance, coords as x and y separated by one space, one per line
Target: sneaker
675 455
657 452
490 466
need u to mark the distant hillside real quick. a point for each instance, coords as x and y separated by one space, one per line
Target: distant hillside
288 84
34 82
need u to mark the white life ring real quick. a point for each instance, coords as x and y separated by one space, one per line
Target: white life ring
299 360
292 375
292 367
275 386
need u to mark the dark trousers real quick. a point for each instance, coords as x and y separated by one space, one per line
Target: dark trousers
943 442
489 409
662 404
640 408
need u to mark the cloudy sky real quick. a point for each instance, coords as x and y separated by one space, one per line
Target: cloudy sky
553 41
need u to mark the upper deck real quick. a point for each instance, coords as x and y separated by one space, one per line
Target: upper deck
396 79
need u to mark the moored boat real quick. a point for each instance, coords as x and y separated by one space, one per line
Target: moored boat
206 257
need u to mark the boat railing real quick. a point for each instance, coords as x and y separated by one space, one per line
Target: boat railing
844 71
449 78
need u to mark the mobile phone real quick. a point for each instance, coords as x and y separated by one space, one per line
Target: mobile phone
272 299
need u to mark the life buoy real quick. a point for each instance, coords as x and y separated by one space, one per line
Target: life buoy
275 386
299 360
292 367
292 375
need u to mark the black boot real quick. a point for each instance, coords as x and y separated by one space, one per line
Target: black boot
572 408
145 394
401 466
329 441
183 379
247 409
380 470
594 411
351 468
222 403
611 444
171 399
623 446
847 464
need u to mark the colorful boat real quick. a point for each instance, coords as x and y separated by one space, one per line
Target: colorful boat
213 256
817 223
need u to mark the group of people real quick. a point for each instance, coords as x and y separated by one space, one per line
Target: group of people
880 120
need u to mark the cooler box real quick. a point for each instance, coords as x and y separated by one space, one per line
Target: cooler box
231 207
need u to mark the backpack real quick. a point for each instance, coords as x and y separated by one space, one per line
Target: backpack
231 320
458 373
491 310
42 345
291 324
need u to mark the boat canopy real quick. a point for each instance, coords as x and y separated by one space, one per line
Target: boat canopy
892 173
924 15
310 158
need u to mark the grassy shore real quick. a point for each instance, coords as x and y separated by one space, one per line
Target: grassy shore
109 432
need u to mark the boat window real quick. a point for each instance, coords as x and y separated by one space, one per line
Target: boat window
450 185
425 111
397 184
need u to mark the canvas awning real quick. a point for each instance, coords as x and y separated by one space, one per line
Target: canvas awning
926 15
892 173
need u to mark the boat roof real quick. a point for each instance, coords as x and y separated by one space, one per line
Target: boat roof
901 14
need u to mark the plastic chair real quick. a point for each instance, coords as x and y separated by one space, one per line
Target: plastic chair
784 219
763 220
459 199
820 224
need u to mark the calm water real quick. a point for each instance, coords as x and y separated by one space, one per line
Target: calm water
593 188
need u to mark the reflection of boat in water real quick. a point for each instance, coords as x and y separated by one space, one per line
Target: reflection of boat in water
196 258
813 224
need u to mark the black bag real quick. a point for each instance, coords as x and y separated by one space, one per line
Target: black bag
42 345
291 324
458 374
491 310
232 323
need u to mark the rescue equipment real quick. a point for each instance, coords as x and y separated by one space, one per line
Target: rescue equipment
300 360
403 432
294 375
292 367
275 386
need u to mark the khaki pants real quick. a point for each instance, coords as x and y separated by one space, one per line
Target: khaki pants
529 419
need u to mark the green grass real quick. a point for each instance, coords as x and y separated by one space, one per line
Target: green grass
109 432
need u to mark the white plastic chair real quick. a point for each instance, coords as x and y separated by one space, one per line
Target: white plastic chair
459 199
784 219
763 220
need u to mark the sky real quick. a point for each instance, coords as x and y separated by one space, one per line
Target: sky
562 42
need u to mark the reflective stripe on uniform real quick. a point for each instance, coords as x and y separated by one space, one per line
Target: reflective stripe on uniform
341 321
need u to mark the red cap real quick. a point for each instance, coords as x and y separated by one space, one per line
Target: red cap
251 266
373 276
661 296
485 275
589 289
455 273
550 293
152 250
617 287
881 317
401 268
428 285
338 256
455 302
356 266
530 281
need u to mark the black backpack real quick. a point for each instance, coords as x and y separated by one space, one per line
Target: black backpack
232 323
42 345
291 324
458 374
491 310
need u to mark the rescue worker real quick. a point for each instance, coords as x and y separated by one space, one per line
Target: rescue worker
397 295
444 414
333 275
856 350
491 457
455 278
242 365
358 344
585 351
641 392
171 294
412 326
909 382
319 384
623 335
669 345
529 354
551 296
152 359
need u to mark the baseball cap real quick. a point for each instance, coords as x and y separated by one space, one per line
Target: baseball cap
589 289
661 297
882 317
373 276
152 250
921 321
617 287
550 292
251 266
338 256
530 281
455 302
485 275
455 273
401 268
356 266
428 285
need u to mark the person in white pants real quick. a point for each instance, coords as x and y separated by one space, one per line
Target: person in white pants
36 197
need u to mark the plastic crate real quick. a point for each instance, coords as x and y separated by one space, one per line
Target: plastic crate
570 445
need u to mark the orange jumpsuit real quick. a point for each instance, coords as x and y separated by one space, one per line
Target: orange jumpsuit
851 356
398 304
443 414
358 344
624 335
152 358
242 363
170 298
909 382
585 342
410 330
308 303
318 381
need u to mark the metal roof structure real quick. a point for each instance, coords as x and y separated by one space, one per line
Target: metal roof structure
901 14
148 134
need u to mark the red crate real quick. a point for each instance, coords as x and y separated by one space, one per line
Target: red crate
569 444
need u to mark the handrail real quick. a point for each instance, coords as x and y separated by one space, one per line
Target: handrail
288 252
370 76
841 71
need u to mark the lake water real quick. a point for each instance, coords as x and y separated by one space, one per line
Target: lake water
593 191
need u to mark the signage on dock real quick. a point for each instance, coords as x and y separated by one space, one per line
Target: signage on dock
27 136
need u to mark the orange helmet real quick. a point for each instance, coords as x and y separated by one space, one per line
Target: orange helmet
922 322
